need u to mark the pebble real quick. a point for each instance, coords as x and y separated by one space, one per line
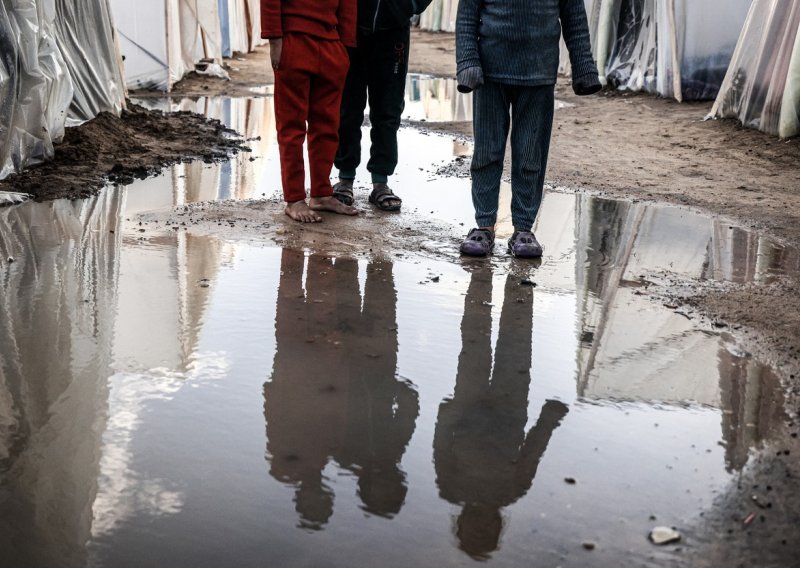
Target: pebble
664 535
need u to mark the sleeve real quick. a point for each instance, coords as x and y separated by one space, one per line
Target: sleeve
467 21
347 21
420 5
271 26
576 35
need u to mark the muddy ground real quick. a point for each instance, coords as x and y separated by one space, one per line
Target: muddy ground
136 145
629 146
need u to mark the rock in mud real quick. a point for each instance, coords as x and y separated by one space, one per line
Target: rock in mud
664 535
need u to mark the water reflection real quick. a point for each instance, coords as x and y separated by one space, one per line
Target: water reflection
56 316
133 403
485 460
334 394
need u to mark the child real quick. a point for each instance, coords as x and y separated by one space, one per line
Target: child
378 68
307 40
507 51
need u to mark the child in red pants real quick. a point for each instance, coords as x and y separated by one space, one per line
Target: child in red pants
307 41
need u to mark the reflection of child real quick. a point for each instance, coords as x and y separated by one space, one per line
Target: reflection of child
307 48
508 52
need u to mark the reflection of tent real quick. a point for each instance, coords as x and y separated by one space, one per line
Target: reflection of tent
436 100
58 66
58 298
162 40
762 87
678 48
440 16
629 349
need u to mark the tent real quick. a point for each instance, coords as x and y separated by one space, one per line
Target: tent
58 67
762 86
676 48
163 40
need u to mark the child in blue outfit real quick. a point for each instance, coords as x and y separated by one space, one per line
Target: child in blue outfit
507 52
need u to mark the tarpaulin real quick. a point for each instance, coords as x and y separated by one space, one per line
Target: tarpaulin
762 85
59 66
677 48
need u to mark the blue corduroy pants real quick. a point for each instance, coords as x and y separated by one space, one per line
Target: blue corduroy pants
528 113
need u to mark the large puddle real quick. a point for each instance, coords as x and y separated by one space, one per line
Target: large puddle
179 400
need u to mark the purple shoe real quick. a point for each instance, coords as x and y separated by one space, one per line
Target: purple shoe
523 244
479 242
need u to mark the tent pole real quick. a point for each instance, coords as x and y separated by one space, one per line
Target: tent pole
677 83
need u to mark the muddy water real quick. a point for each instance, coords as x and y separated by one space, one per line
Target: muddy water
176 400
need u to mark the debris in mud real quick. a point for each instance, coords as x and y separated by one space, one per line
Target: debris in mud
12 198
664 535
589 546
527 282
136 145
570 480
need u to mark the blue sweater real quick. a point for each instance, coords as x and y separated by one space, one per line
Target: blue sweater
516 42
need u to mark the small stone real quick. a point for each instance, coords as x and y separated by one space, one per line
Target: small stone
664 535
435 279
11 259
526 282
589 546
570 480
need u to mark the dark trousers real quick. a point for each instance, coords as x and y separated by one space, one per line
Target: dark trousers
378 68
308 94
528 113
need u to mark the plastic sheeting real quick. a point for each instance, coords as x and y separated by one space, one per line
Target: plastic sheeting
676 48
86 37
634 53
58 67
705 37
762 86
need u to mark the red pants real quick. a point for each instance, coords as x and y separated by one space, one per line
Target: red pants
308 90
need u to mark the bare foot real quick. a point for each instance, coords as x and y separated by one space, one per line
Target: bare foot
331 204
299 211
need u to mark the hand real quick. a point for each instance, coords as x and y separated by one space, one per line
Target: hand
586 85
469 79
275 51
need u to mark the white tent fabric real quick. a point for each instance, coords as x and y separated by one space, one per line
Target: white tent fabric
85 35
676 48
58 66
762 86
162 40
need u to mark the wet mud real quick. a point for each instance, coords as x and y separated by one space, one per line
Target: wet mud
137 145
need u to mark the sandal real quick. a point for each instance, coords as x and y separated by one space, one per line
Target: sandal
343 191
523 244
381 194
479 242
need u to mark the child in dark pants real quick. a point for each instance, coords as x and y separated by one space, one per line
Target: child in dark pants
307 48
378 68
508 51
